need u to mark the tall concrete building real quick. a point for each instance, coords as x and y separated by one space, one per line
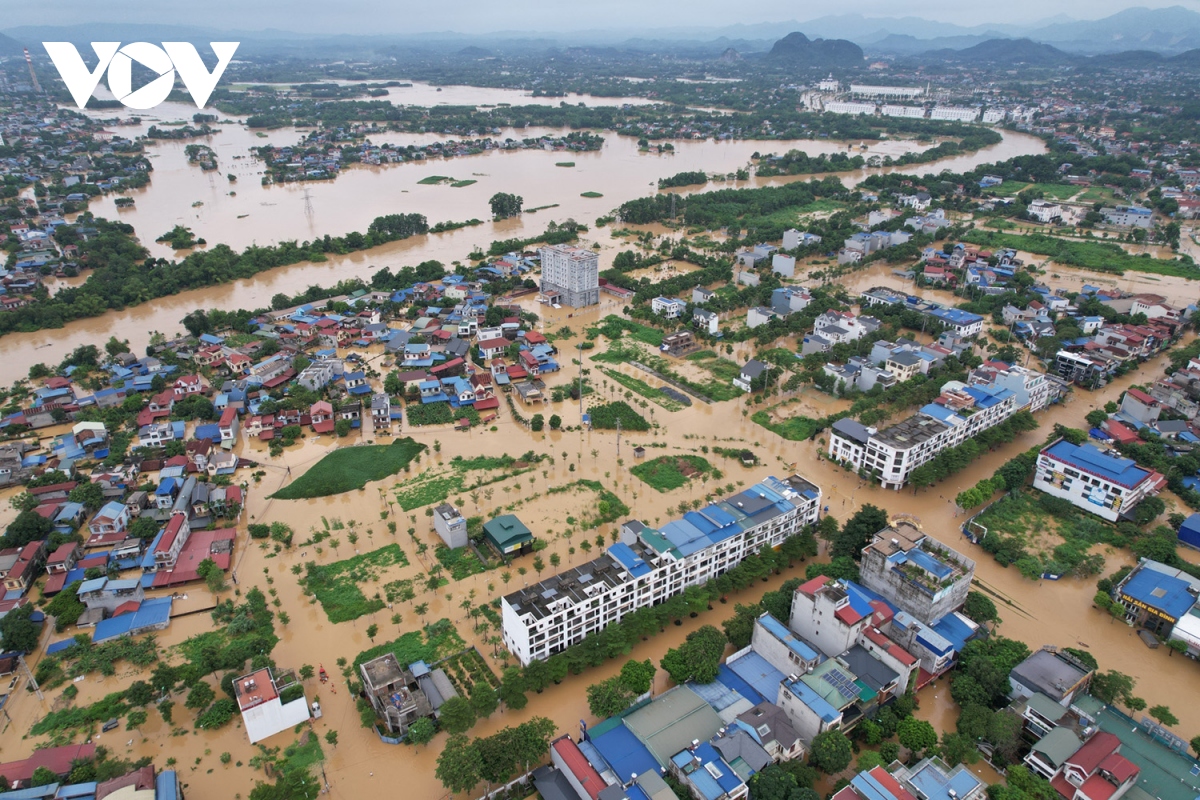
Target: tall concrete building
916 572
571 272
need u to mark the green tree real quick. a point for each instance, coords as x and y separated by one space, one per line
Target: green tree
456 715
609 697
505 205
89 494
916 734
200 696
331 736
484 700
459 764
555 422
18 630
1163 715
537 423
342 428
29 526
512 689
420 732
980 608
1112 686
43 776
638 676
697 658
856 533
831 752
772 783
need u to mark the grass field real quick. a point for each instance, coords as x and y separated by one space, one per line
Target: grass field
590 194
644 389
337 586
432 179
461 184
351 468
1096 255
664 473
564 163
460 562
794 429
436 641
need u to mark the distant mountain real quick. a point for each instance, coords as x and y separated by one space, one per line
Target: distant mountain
10 46
1006 51
730 56
1163 29
897 44
475 52
797 50
1128 59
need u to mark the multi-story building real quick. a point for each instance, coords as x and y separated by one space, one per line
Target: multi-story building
956 113
1128 216
668 307
916 572
1044 211
573 273
892 454
262 703
1034 390
450 525
648 566
1107 485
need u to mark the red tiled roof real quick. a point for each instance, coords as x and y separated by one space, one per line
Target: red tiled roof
56 759
891 784
62 553
1142 397
848 615
55 583
54 487
199 547
812 586
1097 788
487 404
579 766
172 530
1095 750
1120 767
325 426
127 607
1063 786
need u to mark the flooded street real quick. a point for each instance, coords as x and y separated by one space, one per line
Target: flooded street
360 765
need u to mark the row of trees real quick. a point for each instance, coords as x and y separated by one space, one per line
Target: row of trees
465 763
955 459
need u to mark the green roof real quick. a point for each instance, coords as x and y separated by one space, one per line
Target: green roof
1046 707
670 722
506 531
1058 745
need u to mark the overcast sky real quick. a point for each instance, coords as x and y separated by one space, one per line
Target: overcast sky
482 16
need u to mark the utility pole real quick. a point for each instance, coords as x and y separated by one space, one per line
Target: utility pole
618 437
21 660
308 206
580 350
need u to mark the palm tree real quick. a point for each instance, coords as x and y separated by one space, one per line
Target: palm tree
422 610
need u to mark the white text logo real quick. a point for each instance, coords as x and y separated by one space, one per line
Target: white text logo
163 61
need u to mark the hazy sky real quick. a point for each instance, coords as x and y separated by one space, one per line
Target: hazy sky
481 16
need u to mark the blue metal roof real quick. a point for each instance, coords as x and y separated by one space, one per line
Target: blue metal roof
1160 591
785 635
155 611
735 682
624 753
955 630
819 705
1115 469
624 554
930 564
933 784
756 671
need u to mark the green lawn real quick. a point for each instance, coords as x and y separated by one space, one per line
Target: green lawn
436 641
461 184
605 416
460 562
794 429
337 586
351 468
666 472
432 179
590 194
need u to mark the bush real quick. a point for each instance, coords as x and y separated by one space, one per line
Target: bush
218 715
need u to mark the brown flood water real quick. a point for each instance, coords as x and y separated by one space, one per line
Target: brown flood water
1040 613
262 215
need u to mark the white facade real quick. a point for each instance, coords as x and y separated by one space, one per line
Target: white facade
1104 484
908 112
994 115
892 454
1128 216
783 265
1043 211
668 307
573 272
840 107
263 714
956 113
901 92
545 618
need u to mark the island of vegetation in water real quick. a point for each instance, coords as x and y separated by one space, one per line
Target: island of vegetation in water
351 468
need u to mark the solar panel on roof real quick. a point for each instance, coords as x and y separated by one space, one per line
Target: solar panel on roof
840 681
549 593
586 577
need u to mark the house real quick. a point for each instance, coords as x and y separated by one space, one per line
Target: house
785 300
64 558
1104 484
759 315
774 731
109 595
1156 596
508 535
679 344
171 542
450 525
228 425
1140 406
25 567
187 386
915 572
783 265
113 517
321 416
1128 216
1054 673
262 703
1044 211
750 374
492 348
707 321
668 307
381 410
395 693
702 295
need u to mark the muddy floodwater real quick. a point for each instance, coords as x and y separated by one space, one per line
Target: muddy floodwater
245 212
360 765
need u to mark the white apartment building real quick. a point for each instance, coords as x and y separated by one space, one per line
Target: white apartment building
1128 216
648 566
900 92
1043 211
994 115
908 112
892 454
956 113
841 107
1107 485
263 711
573 273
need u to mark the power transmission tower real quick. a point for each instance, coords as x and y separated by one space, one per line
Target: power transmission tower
308 206
37 87
29 675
